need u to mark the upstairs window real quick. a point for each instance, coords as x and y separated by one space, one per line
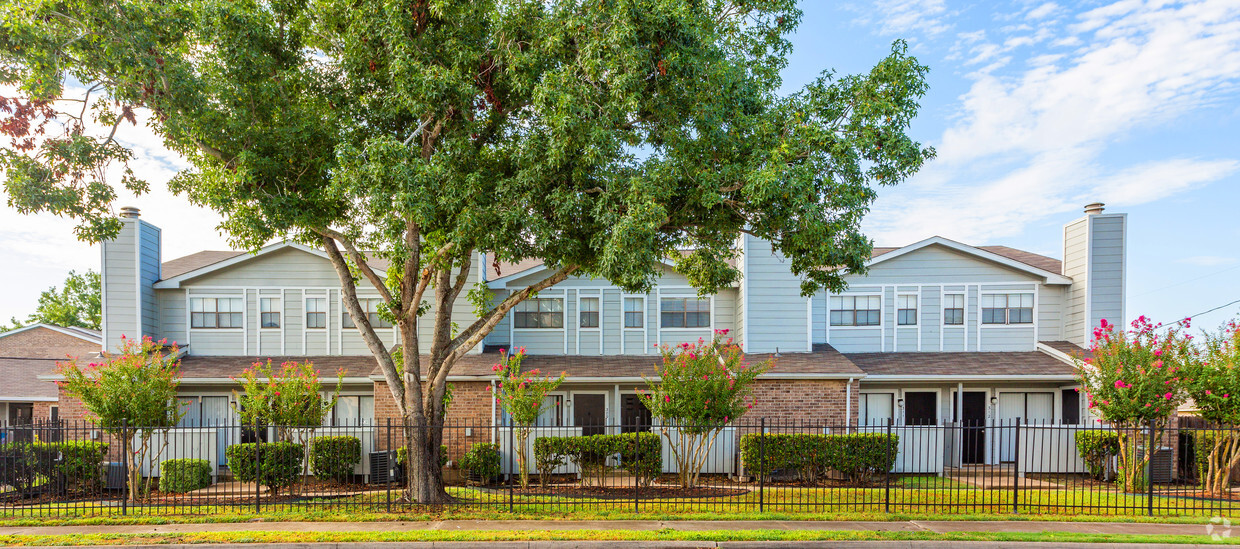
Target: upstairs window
906 312
269 312
634 316
215 312
684 312
371 306
539 313
855 310
316 312
1007 309
589 312
953 309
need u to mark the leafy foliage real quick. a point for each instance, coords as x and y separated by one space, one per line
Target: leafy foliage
858 456
184 475
78 463
77 303
291 397
482 460
1213 382
640 454
275 465
521 396
1096 448
334 457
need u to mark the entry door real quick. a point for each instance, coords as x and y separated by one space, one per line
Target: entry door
973 431
21 416
634 416
1030 408
590 413
920 408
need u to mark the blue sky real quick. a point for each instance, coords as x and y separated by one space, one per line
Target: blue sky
1036 108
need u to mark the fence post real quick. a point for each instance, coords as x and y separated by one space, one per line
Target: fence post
1151 450
125 466
762 466
511 454
391 454
258 470
637 468
887 473
1016 471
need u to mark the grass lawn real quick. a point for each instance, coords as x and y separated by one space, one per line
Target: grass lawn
948 501
661 535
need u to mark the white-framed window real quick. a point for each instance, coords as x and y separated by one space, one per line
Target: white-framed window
352 411
877 408
1015 308
906 310
215 312
269 312
634 312
681 312
371 306
953 309
588 315
316 312
856 310
539 312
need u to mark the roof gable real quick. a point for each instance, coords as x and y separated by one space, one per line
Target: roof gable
216 263
1011 258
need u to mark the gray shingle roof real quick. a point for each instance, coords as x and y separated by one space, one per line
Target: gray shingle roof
21 375
960 364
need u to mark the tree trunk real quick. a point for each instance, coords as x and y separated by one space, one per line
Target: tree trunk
422 465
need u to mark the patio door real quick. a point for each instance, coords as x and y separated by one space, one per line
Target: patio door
590 413
921 408
1030 407
634 416
973 426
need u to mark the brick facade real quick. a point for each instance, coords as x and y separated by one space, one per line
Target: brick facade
818 401
44 342
468 421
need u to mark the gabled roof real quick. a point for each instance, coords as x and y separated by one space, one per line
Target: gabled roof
194 265
85 334
1029 262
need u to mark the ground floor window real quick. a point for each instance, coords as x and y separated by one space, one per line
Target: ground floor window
921 407
353 410
877 408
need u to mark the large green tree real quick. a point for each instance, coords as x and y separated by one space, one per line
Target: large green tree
600 136
76 303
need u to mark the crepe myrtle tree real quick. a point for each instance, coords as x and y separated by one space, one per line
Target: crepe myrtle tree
521 396
699 389
408 140
1213 382
1135 380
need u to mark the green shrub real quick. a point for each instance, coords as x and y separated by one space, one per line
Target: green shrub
79 463
184 475
281 463
483 461
1096 448
334 457
24 469
857 456
641 455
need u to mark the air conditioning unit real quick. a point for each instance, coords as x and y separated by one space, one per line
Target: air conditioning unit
383 466
114 473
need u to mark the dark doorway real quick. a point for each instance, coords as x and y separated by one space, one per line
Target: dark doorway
590 413
973 434
634 416
919 408
1071 408
21 414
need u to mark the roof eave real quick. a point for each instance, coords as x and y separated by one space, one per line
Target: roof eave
175 282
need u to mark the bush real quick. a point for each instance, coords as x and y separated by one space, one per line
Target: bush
857 456
79 463
184 475
1096 448
641 455
334 457
483 461
281 463
23 469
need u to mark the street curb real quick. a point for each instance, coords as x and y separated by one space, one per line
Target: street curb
671 544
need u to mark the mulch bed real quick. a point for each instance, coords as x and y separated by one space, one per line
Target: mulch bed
624 492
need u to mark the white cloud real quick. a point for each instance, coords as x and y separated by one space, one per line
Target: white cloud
1209 260
1028 138
905 17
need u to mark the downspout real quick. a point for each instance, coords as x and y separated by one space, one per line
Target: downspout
493 397
848 406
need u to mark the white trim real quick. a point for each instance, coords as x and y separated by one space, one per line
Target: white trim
20 399
744 291
55 328
103 299
304 329
639 379
189 324
1062 356
978 378
137 277
245 319
809 324
1088 324
577 325
1051 278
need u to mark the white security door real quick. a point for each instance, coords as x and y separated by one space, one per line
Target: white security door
1031 408
876 408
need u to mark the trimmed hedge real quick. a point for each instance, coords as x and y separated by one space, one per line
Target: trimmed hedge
1096 448
81 462
857 456
184 475
641 455
482 460
281 463
334 457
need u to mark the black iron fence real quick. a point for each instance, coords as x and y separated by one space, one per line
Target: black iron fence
755 465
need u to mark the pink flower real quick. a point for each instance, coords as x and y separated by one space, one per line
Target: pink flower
1157 352
1104 323
705 377
1119 384
496 368
667 398
502 350
1167 396
1207 391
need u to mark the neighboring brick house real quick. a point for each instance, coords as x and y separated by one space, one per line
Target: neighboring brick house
936 331
32 351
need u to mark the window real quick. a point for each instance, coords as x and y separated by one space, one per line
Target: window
215 312
316 312
269 312
861 310
906 313
634 316
353 411
676 312
877 408
1007 309
371 306
953 309
589 312
540 313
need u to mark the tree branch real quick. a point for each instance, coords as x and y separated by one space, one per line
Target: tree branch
360 260
472 335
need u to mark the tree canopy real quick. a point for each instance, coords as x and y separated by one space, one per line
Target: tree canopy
598 136
76 303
